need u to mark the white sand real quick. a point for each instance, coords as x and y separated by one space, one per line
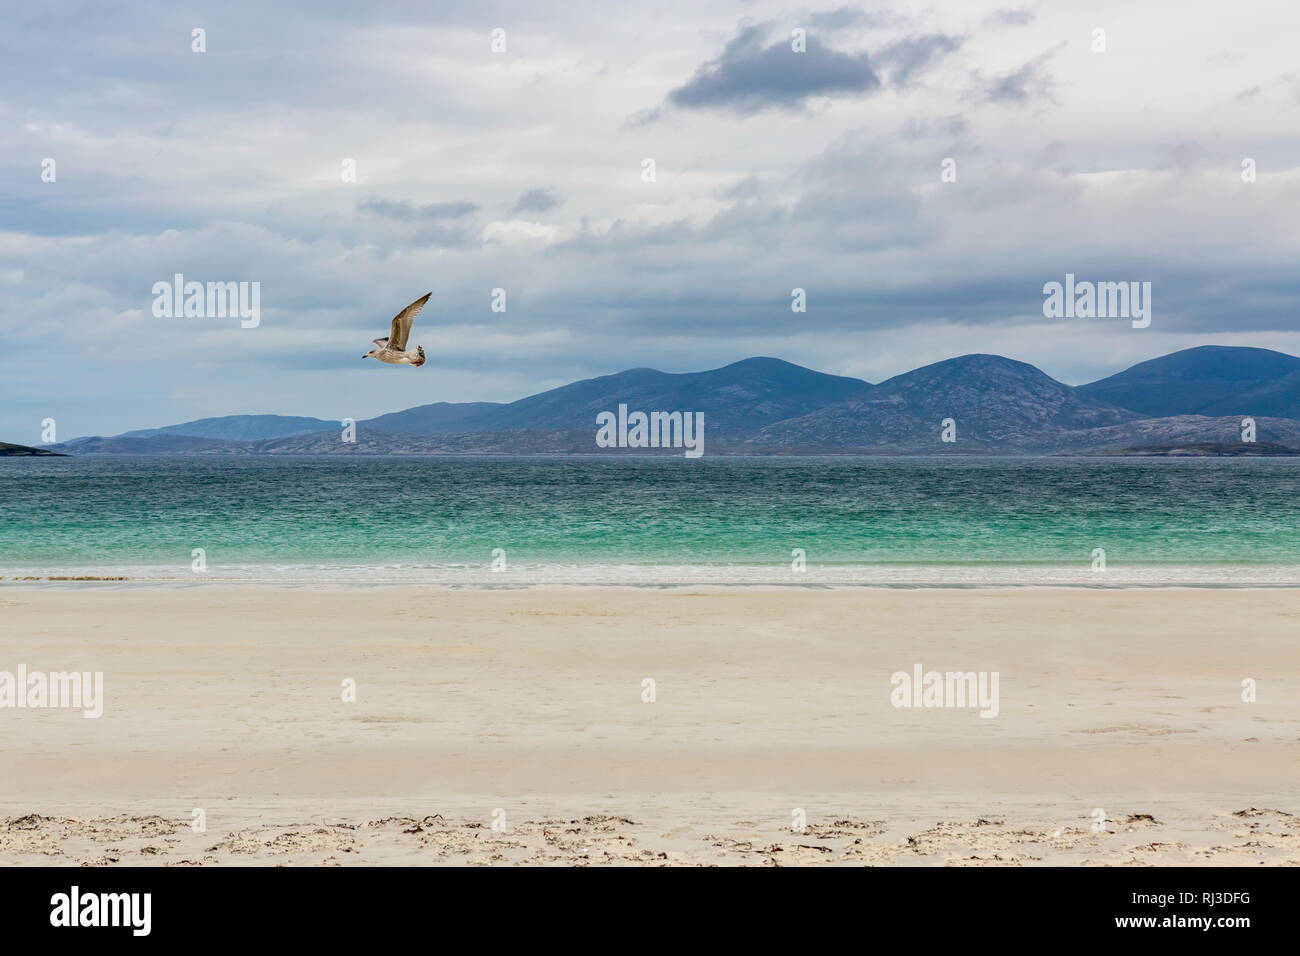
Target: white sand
768 700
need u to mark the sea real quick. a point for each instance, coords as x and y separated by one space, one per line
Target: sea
518 522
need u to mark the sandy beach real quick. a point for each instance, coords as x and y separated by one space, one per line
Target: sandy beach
514 726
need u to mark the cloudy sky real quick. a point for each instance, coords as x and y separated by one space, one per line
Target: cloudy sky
523 170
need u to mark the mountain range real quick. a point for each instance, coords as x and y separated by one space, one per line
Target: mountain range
768 406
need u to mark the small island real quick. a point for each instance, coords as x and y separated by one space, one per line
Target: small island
7 449
1204 449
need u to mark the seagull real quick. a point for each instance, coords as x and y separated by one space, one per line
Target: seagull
392 350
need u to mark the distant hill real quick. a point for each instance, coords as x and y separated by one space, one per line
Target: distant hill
736 400
1209 380
8 450
1181 430
1279 398
239 427
767 406
372 442
1205 449
368 441
997 404
163 444
440 418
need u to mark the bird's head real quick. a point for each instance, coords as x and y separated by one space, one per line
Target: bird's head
419 350
368 354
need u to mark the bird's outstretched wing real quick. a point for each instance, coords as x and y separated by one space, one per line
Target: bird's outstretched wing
403 321
381 342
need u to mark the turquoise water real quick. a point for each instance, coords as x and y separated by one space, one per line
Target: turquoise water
649 520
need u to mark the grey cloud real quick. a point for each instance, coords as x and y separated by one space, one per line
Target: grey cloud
407 211
954 126
1185 157
750 187
1021 87
1011 16
911 56
537 200
445 236
749 76
844 17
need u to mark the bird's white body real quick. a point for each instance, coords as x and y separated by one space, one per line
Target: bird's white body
394 357
392 349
